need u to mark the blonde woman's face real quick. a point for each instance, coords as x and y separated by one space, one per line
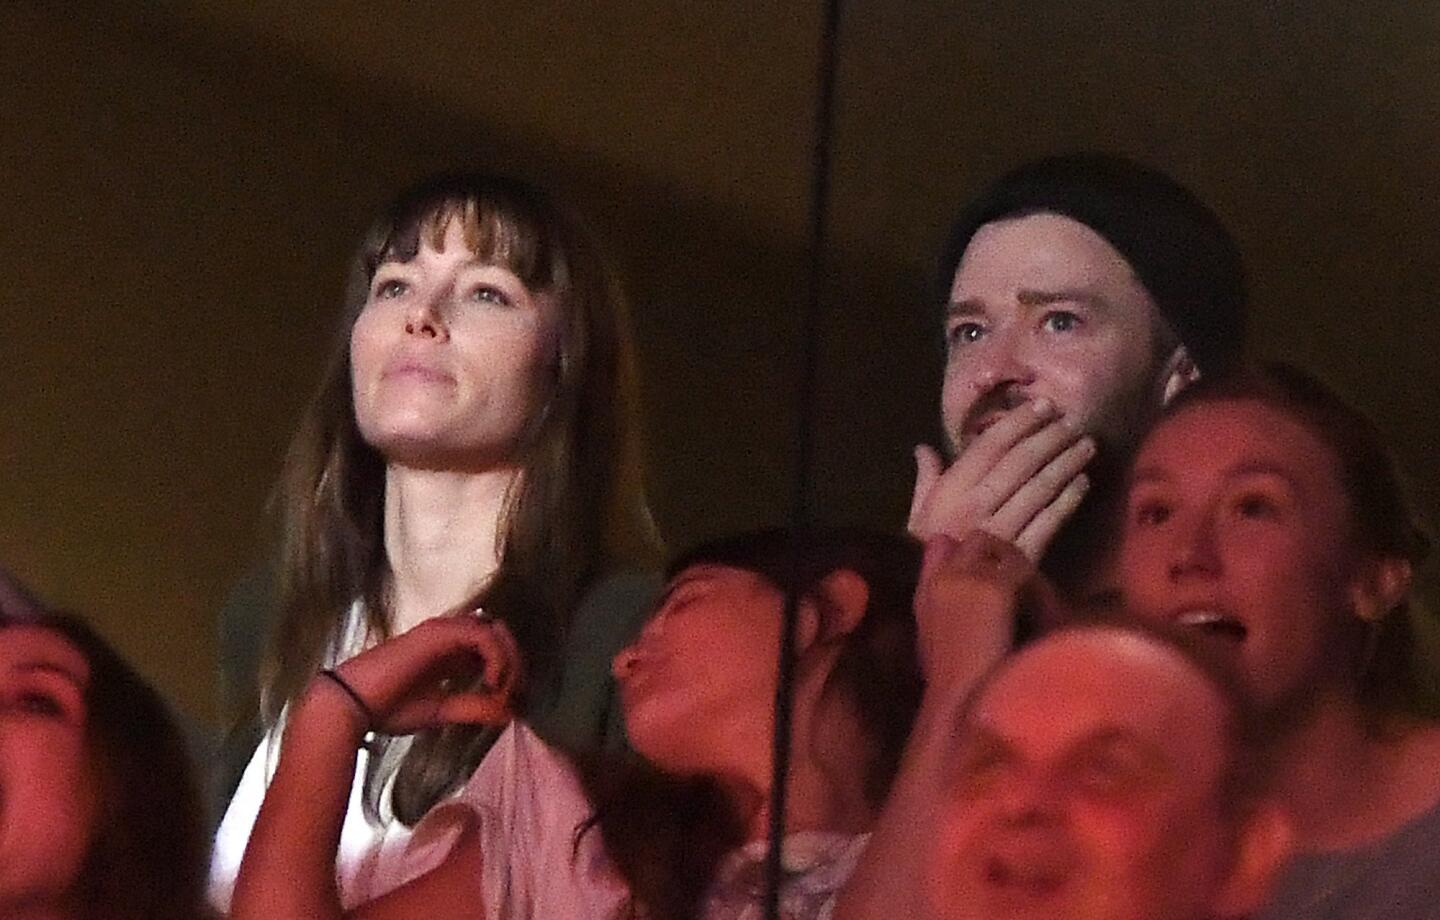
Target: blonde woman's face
449 358
48 799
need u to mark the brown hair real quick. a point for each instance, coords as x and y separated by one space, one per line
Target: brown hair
1383 523
577 510
667 833
150 851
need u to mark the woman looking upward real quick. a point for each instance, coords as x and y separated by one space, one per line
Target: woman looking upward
472 444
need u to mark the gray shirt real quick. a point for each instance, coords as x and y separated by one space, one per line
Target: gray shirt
1396 878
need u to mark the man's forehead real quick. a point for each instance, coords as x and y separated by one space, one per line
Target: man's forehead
1080 681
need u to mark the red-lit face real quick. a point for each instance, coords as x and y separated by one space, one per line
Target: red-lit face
698 684
1043 306
47 797
448 358
1237 525
1087 787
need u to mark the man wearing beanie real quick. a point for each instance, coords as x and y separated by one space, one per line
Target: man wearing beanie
1080 293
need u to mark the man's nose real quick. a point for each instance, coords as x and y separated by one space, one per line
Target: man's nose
1005 362
1031 798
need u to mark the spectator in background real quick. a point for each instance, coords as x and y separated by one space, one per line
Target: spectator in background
100 817
1265 513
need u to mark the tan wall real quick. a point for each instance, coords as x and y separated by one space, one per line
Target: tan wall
181 191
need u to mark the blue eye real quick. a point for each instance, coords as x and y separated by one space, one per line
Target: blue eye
1061 321
488 293
964 334
390 288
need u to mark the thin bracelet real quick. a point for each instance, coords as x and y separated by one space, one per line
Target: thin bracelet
360 703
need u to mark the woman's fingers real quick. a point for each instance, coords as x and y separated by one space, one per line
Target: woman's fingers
406 679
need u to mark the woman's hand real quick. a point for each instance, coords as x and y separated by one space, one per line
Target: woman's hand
458 668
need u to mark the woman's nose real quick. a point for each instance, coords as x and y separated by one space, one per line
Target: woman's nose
425 316
1195 551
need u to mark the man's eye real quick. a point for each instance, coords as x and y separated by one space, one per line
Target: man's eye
1106 776
1060 321
980 770
964 334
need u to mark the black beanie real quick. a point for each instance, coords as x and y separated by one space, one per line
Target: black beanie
1177 247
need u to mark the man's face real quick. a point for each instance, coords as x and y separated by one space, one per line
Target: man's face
1087 786
1043 306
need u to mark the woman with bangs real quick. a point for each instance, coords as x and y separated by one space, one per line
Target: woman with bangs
472 447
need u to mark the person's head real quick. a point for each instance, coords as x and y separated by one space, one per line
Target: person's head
1089 280
1106 772
1265 512
99 813
698 684
482 331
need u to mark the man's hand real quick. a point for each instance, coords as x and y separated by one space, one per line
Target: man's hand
1019 480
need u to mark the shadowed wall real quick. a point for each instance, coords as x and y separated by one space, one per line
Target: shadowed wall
183 188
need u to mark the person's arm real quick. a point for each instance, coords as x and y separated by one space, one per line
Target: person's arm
289 865
965 608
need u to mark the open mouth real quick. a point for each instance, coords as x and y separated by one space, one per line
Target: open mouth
1214 623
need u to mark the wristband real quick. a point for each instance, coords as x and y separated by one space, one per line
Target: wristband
355 698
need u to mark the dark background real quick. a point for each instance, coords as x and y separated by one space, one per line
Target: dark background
182 187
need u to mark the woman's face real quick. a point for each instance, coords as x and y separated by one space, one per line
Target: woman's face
698 684
448 358
1236 525
48 800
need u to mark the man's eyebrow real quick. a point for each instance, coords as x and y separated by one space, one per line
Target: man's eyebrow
970 306
1034 297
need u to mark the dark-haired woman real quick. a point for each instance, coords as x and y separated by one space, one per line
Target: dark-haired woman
1265 513
100 816
471 445
681 835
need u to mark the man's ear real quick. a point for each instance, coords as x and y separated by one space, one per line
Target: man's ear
837 608
1379 586
1177 373
1264 844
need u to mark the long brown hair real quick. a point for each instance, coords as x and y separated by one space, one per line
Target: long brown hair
577 510
150 849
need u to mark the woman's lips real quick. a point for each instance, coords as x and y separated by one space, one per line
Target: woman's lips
417 371
1213 622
